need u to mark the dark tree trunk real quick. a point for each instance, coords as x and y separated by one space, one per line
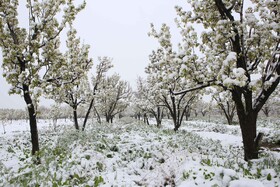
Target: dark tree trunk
249 132
97 115
32 120
187 113
176 125
229 119
248 123
87 114
158 123
145 118
203 113
176 111
108 118
75 118
55 124
139 116
229 113
195 113
148 123
159 116
266 111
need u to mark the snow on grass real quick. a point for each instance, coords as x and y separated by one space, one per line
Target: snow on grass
129 153
225 139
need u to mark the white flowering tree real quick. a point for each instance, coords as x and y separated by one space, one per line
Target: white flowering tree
72 87
113 97
31 54
225 104
164 75
55 113
105 64
272 104
237 42
148 102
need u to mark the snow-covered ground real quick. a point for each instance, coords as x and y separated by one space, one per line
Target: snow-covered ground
129 153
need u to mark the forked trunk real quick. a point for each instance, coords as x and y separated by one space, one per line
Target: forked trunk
159 116
229 119
97 115
109 118
247 117
177 119
145 118
158 122
176 126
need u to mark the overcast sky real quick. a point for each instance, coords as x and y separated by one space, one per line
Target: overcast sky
117 29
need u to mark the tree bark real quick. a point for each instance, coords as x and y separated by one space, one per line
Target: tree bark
87 114
145 118
32 120
266 111
107 118
75 118
187 113
249 131
229 120
248 123
159 116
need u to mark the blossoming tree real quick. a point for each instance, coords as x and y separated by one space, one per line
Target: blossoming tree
72 87
31 55
238 50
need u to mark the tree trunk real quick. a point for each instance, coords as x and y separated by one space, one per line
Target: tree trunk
265 110
158 122
32 120
229 119
248 124
187 113
107 118
176 121
75 119
55 124
97 115
87 114
146 119
176 126
3 124
159 116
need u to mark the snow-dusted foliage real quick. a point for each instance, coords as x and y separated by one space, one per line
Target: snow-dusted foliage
134 154
228 43
113 97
